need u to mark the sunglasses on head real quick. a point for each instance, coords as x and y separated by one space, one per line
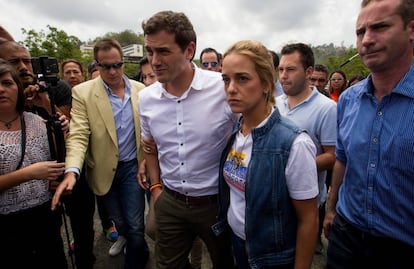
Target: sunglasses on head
109 66
213 64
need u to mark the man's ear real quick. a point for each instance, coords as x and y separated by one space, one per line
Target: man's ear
190 50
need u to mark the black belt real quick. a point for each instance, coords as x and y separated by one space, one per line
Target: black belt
193 200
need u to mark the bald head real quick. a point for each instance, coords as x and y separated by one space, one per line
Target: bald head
5 34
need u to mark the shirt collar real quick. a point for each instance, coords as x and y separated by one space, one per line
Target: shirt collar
127 85
403 87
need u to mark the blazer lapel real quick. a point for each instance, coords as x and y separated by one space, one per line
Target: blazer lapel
104 107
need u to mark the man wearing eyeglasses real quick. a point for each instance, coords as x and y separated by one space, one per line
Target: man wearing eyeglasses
105 134
319 79
210 59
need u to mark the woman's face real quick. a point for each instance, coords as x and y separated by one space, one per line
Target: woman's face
242 84
148 75
337 81
8 92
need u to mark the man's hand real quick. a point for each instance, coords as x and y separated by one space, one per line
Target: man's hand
66 185
142 175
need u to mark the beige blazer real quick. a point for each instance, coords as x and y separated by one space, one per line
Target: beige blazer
92 137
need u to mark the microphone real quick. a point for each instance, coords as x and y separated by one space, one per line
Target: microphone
350 59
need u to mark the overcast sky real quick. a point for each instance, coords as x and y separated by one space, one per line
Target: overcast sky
217 23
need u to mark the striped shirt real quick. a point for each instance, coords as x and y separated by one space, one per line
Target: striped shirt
376 143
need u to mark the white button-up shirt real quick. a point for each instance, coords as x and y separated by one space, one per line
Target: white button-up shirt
190 132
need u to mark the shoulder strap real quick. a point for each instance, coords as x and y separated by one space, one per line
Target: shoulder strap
23 141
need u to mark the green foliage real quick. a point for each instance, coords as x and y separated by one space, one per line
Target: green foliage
126 37
56 43
333 57
130 69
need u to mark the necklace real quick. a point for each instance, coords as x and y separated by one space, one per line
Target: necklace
239 156
8 124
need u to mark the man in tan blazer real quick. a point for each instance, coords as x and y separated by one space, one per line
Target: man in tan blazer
105 134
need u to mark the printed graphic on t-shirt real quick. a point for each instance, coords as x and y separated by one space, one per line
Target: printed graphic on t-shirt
235 169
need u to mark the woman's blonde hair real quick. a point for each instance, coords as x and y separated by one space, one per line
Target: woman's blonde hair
263 63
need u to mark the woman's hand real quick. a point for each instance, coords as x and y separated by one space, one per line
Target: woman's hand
50 170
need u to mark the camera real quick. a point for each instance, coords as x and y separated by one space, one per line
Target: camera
44 65
46 69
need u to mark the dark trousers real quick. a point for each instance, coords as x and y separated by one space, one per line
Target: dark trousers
351 248
32 239
240 254
322 212
178 224
80 207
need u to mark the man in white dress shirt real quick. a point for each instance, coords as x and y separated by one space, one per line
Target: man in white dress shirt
187 115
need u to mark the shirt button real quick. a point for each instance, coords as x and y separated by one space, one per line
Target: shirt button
372 165
375 140
179 101
183 181
379 113
181 144
179 123
182 163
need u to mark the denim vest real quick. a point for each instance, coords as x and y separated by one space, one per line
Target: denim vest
271 221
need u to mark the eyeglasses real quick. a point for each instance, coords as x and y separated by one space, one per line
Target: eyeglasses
213 64
337 79
109 66
320 80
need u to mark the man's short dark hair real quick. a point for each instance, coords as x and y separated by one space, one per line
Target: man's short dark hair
321 68
208 50
306 54
107 44
176 23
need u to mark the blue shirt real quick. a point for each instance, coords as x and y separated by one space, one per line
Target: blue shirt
317 115
376 143
124 122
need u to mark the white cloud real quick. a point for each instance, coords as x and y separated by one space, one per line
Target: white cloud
218 23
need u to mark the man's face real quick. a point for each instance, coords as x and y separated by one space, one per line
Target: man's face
167 59
382 39
19 58
210 62
72 74
319 80
292 76
110 66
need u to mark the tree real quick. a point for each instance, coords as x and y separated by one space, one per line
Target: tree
335 58
56 43
126 37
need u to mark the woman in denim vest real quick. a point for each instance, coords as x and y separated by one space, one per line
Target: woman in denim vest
268 178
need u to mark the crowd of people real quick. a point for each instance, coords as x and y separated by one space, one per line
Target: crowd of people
253 154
